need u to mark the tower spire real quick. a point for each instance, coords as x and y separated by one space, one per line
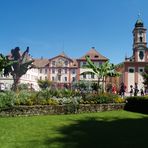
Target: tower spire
139 15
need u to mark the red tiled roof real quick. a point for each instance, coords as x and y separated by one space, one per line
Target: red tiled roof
93 54
41 62
61 55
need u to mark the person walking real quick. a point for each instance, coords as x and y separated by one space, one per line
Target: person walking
122 90
136 89
131 91
141 92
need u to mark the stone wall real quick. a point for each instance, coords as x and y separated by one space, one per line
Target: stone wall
58 109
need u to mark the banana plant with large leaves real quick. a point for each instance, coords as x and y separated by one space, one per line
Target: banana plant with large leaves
24 63
5 63
101 71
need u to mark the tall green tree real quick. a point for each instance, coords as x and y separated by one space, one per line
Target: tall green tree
24 63
145 76
101 71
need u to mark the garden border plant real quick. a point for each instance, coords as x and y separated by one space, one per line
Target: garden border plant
71 101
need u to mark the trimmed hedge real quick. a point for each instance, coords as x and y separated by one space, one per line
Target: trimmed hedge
137 104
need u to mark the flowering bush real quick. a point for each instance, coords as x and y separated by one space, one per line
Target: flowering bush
119 100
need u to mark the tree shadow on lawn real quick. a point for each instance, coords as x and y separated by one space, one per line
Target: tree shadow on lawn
102 133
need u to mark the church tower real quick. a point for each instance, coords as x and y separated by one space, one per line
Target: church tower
134 65
139 42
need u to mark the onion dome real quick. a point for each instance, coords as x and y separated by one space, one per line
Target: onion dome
139 23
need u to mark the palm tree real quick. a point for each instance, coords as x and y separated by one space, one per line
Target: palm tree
101 71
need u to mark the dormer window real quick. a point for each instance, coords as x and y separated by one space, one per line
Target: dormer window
96 56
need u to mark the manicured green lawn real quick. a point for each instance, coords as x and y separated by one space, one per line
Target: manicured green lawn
117 129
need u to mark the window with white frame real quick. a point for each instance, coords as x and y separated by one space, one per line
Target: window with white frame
84 76
59 78
41 70
53 70
46 70
65 79
73 79
53 79
73 71
92 76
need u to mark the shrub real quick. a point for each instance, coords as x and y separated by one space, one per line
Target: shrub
52 102
23 86
22 97
99 98
107 98
137 104
29 102
68 100
44 84
41 97
104 98
7 99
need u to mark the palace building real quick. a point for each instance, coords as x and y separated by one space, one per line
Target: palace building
61 70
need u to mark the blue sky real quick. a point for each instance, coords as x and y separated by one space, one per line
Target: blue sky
49 27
